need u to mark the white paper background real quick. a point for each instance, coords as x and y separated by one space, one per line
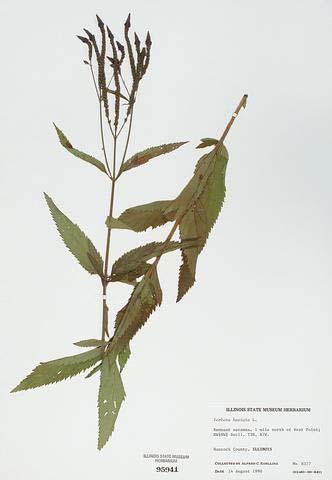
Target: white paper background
256 326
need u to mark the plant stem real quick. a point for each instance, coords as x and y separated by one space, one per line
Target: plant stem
104 331
242 104
109 83
124 83
109 229
127 143
107 251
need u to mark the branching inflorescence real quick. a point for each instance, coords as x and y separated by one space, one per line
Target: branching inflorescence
193 213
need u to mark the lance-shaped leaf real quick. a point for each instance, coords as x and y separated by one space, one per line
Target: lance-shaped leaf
144 156
123 356
144 216
77 242
205 194
146 296
90 342
133 264
77 153
207 142
60 369
110 398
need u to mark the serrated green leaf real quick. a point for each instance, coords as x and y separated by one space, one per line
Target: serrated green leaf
146 296
60 369
110 398
77 242
95 260
77 153
205 193
207 142
144 216
91 342
123 357
144 156
133 264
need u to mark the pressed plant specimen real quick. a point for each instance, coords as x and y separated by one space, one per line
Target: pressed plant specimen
192 213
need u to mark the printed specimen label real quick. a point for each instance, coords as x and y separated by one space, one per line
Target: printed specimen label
267 441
